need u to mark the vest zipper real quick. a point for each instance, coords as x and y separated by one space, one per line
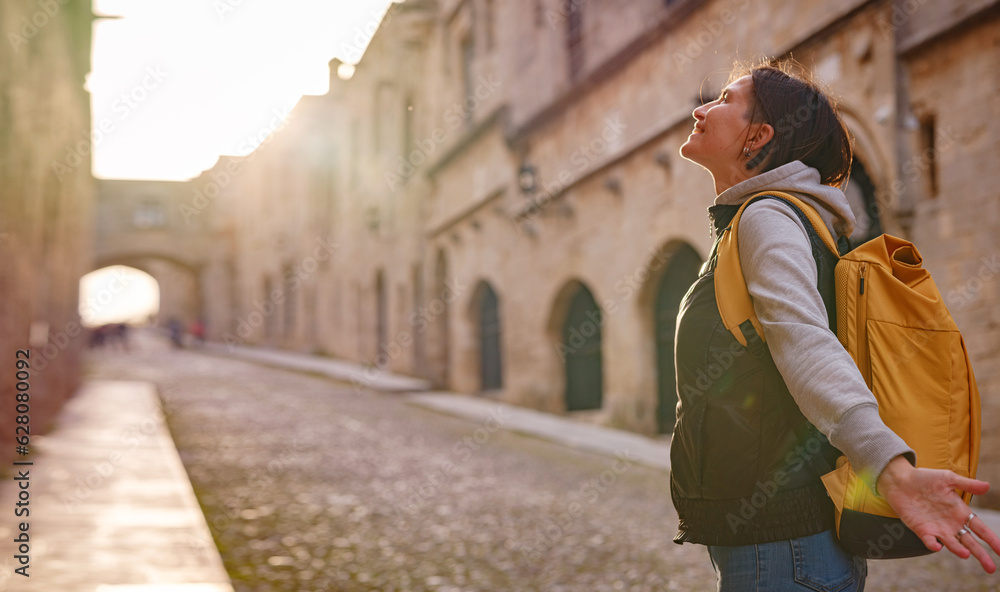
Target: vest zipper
863 362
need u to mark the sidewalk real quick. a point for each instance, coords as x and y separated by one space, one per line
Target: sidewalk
356 374
111 506
583 436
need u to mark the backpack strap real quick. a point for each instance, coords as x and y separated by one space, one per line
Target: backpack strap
735 305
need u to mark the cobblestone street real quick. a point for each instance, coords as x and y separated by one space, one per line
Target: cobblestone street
308 485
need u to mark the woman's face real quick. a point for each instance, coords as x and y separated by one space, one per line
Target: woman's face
720 129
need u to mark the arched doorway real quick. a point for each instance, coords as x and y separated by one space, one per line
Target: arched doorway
581 344
270 319
491 376
288 320
437 308
860 193
681 272
419 341
381 317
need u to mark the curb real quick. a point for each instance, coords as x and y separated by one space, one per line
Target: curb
582 436
356 374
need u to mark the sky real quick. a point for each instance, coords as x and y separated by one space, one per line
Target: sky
176 83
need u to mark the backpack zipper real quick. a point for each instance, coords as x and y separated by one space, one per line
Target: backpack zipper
863 362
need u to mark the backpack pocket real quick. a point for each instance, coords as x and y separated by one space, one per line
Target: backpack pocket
911 374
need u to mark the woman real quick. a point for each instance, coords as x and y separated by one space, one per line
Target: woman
745 469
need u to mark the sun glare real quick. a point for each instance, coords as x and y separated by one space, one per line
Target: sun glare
118 294
177 83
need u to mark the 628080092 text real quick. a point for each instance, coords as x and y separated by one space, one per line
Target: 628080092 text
22 437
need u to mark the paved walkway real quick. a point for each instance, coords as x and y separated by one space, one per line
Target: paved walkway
111 507
649 452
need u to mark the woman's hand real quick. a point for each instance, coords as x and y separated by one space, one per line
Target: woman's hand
926 501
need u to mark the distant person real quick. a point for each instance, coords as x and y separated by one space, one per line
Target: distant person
197 330
115 334
96 337
121 335
176 332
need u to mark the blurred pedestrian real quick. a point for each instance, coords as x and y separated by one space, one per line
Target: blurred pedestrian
176 332
96 337
116 334
197 330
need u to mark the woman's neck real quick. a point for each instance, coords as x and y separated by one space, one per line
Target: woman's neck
729 178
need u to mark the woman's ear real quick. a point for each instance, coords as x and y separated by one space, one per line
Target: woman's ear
761 136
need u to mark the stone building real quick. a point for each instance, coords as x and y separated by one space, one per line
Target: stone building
504 210
46 193
157 227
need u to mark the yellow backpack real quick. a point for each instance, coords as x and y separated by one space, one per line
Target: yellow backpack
892 320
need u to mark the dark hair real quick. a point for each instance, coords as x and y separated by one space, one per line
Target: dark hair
807 125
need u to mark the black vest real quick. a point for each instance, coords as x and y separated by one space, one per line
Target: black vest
745 462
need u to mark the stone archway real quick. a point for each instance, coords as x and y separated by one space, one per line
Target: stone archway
581 348
118 294
486 317
871 188
861 194
680 273
180 284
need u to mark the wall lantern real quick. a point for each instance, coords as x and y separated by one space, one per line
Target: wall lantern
526 179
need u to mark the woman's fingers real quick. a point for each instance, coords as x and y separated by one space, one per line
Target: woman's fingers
954 545
963 543
970 543
973 486
984 532
931 542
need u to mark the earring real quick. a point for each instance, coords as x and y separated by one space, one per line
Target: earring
746 152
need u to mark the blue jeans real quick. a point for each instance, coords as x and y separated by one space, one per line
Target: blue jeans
814 563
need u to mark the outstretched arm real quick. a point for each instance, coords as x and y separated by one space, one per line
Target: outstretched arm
781 277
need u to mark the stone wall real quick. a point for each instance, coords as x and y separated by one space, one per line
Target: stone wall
47 200
952 175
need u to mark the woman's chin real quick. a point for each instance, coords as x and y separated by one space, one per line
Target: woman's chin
687 152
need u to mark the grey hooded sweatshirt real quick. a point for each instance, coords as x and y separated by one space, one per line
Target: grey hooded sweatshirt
781 277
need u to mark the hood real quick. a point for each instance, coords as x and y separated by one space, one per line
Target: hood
803 182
